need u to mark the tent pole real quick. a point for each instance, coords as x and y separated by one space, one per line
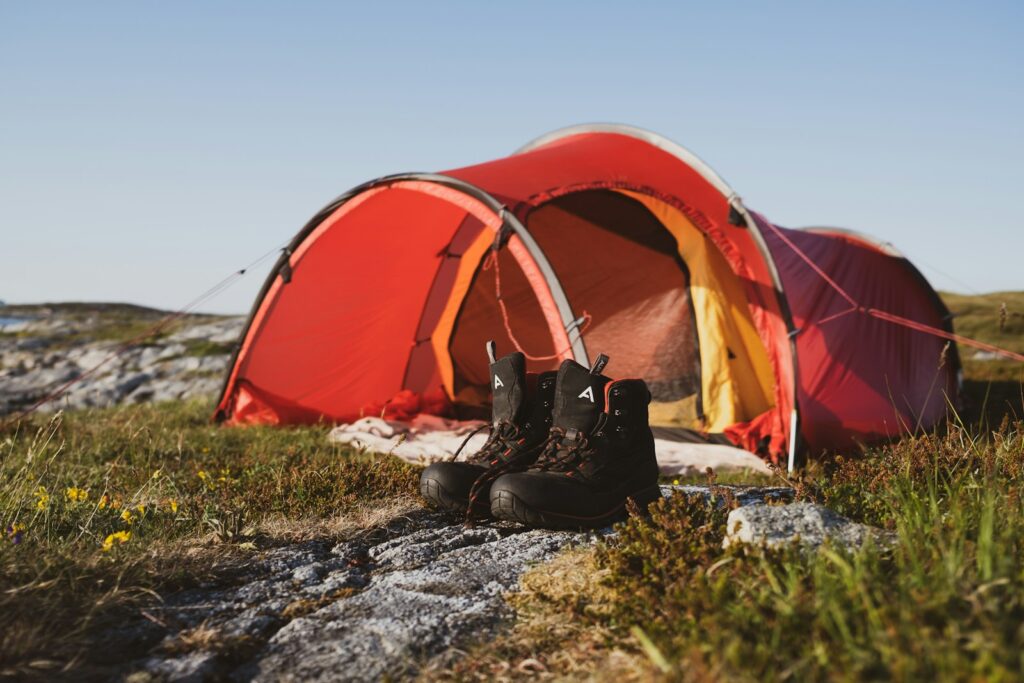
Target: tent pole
792 441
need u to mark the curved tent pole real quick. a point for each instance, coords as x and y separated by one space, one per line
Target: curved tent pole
283 266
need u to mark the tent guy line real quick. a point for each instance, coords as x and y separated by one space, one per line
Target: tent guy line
856 307
580 325
156 328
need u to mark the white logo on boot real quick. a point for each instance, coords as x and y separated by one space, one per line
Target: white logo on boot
498 382
587 393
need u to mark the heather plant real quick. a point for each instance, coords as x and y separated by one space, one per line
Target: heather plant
945 602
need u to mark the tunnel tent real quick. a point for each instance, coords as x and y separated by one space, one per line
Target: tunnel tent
593 239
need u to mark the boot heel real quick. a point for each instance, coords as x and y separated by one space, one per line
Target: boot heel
644 497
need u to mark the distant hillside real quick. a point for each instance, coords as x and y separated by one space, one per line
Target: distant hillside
996 318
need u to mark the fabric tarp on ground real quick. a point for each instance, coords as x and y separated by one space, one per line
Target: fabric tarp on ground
427 438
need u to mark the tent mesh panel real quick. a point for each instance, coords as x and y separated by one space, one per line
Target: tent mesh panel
618 264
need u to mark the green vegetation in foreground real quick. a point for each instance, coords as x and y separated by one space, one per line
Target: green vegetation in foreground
663 599
99 508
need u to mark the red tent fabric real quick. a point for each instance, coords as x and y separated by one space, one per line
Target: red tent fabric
600 239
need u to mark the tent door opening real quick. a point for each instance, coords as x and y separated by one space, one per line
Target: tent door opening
621 267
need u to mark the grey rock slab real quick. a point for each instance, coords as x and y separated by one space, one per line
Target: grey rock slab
426 595
150 372
194 667
376 606
807 524
130 383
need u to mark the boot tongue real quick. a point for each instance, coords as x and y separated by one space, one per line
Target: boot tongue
579 397
508 387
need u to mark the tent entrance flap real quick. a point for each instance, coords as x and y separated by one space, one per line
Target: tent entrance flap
618 264
473 317
737 379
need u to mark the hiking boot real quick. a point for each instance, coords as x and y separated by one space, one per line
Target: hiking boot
600 453
520 421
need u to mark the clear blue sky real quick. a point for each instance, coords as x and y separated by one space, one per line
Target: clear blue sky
147 149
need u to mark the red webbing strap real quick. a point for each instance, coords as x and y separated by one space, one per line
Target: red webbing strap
884 315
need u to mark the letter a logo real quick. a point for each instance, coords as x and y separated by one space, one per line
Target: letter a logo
587 393
498 382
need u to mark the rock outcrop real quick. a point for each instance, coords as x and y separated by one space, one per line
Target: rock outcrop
807 524
375 607
42 348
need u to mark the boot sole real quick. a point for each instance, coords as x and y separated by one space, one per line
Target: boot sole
508 506
440 497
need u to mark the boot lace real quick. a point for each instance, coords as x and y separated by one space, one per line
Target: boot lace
500 453
559 457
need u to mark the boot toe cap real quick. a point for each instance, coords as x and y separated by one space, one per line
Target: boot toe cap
447 484
547 492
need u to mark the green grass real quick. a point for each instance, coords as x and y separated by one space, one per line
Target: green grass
195 498
660 600
205 347
946 603
664 597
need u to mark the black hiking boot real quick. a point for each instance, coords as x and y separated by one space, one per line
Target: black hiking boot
600 453
521 419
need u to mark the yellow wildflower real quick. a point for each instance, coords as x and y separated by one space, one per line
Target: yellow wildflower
115 504
173 504
156 475
42 499
676 482
207 479
142 509
104 501
120 537
76 495
127 517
